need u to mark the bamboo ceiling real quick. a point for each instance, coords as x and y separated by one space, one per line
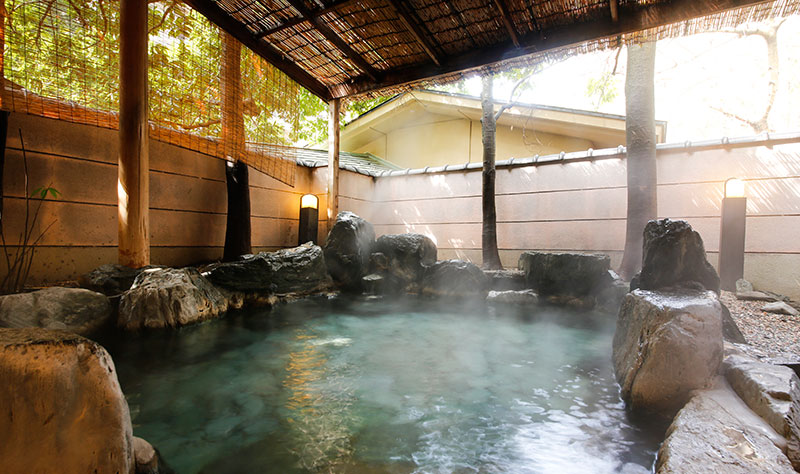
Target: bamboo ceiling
342 48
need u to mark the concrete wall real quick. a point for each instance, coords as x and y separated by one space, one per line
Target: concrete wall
187 198
454 141
581 206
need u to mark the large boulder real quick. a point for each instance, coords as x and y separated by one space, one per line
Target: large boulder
405 257
717 433
111 279
347 250
73 309
506 280
455 278
674 256
665 346
63 409
170 297
296 270
572 274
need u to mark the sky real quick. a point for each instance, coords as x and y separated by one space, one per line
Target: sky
695 77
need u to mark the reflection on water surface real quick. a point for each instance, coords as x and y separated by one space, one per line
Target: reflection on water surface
376 386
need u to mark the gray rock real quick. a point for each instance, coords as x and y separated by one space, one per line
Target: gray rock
73 309
347 250
665 346
521 297
755 296
743 286
374 284
674 256
111 279
455 278
406 257
170 297
63 409
148 459
296 270
765 388
717 433
780 307
610 300
566 273
730 331
503 280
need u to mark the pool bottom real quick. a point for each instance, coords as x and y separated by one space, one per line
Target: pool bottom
336 385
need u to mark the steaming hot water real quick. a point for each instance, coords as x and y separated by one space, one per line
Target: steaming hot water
376 386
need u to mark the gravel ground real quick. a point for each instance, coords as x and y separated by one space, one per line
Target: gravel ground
776 336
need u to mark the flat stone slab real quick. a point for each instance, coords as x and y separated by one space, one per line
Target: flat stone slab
717 433
753 295
780 307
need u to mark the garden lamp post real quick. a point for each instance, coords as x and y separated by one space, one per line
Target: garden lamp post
731 235
309 219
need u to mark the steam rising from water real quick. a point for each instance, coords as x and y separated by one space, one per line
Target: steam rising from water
332 386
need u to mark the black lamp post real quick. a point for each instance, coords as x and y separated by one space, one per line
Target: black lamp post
309 215
731 235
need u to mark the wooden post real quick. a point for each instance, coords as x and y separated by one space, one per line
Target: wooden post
133 187
237 230
333 161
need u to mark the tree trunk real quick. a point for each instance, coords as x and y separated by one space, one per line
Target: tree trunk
3 135
491 257
237 231
640 134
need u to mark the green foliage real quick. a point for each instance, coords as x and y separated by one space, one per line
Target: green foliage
602 89
43 191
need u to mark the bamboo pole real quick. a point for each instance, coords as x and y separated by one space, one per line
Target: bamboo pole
333 161
133 187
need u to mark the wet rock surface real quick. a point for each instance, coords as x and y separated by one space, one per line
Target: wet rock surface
63 409
765 388
520 297
665 346
170 297
148 459
504 280
401 260
296 270
111 279
347 250
674 256
566 273
717 433
72 309
455 278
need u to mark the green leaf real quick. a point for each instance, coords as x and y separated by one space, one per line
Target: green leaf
54 192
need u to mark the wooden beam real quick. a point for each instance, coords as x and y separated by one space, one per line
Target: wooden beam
506 16
133 186
222 19
614 6
631 19
415 30
296 21
333 161
334 38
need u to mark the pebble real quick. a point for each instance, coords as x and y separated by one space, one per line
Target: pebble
776 335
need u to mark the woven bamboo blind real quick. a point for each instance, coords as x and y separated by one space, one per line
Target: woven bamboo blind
61 60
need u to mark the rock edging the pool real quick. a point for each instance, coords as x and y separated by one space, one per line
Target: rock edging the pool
64 410
730 412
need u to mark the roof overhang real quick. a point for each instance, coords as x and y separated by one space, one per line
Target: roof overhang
341 48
